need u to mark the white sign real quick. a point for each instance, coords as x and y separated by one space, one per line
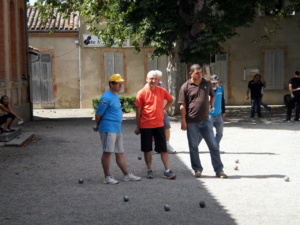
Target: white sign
90 40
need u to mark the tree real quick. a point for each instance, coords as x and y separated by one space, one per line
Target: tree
189 31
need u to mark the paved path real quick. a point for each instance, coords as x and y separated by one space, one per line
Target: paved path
39 181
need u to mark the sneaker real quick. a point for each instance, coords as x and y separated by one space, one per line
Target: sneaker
169 175
198 174
150 174
170 149
110 180
131 177
221 175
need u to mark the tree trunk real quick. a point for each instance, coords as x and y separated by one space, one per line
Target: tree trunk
176 75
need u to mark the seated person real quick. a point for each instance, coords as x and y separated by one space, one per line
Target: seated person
7 115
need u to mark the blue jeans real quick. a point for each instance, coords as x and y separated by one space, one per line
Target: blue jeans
217 122
255 107
195 133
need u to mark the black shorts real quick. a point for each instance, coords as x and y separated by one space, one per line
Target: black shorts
147 135
3 118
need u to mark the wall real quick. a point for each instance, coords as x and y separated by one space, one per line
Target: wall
244 53
13 68
65 65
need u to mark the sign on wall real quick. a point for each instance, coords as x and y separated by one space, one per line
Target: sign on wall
90 40
250 72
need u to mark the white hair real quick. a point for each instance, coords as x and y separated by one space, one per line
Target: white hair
151 73
159 73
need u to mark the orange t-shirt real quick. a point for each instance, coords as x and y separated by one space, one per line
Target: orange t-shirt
152 106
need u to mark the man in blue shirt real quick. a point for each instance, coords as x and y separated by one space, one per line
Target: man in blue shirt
109 123
217 113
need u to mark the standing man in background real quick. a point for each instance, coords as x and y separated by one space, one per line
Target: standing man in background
255 86
217 114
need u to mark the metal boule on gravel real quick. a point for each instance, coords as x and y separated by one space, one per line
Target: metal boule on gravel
126 199
80 181
167 207
286 179
202 204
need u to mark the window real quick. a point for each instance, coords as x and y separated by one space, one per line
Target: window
114 63
274 68
159 63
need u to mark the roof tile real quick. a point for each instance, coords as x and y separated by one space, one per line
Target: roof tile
58 23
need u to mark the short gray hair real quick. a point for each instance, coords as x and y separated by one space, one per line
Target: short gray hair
151 73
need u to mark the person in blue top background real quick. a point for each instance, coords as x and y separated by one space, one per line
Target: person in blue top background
217 113
108 119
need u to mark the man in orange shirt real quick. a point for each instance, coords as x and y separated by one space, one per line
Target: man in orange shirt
149 118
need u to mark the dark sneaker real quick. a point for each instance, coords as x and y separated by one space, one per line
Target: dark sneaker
221 175
169 175
198 174
150 174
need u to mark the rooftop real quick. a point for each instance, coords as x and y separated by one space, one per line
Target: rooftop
58 23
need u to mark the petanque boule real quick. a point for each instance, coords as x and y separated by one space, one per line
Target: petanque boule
126 199
236 168
237 161
202 204
286 179
167 207
140 157
80 181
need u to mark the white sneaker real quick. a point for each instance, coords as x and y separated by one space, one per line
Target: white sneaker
170 149
110 180
131 177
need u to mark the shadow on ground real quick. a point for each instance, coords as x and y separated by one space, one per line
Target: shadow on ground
39 182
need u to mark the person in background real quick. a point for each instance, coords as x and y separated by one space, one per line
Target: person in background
108 119
167 124
7 115
255 86
217 114
294 89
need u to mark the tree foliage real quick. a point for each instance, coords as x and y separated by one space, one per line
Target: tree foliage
197 27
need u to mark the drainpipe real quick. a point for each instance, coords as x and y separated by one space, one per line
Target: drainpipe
28 64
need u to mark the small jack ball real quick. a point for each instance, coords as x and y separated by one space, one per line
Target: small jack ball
202 204
167 207
139 157
126 199
286 179
80 181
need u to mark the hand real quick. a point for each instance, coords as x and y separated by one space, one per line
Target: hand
183 126
247 97
137 131
95 128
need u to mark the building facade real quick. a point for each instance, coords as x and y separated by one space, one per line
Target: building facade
14 72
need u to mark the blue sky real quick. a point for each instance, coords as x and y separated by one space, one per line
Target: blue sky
32 2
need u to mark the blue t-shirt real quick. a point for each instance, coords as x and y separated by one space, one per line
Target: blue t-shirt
110 109
217 110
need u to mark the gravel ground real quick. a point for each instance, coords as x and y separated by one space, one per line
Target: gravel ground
39 181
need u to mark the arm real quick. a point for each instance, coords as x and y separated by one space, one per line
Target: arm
97 120
264 83
9 110
137 119
168 105
223 105
211 103
247 93
291 90
183 116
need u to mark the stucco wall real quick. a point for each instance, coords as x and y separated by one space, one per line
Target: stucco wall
244 53
65 65
92 68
